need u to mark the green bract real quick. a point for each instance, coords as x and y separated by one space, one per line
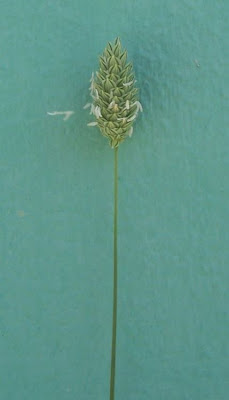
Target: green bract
115 97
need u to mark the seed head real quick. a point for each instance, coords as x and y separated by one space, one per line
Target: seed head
114 95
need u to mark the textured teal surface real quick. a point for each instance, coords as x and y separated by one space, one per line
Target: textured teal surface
56 204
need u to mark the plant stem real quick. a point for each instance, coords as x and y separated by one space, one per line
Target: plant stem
115 282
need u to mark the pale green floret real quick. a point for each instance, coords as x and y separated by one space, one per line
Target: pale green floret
115 99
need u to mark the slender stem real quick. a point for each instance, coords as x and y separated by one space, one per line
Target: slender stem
115 282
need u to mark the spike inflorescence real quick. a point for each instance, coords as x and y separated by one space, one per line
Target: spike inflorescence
115 97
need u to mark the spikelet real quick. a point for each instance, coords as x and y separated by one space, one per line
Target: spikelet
115 98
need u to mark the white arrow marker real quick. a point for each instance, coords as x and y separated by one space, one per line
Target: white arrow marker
66 113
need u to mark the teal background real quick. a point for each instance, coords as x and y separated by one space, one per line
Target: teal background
57 204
